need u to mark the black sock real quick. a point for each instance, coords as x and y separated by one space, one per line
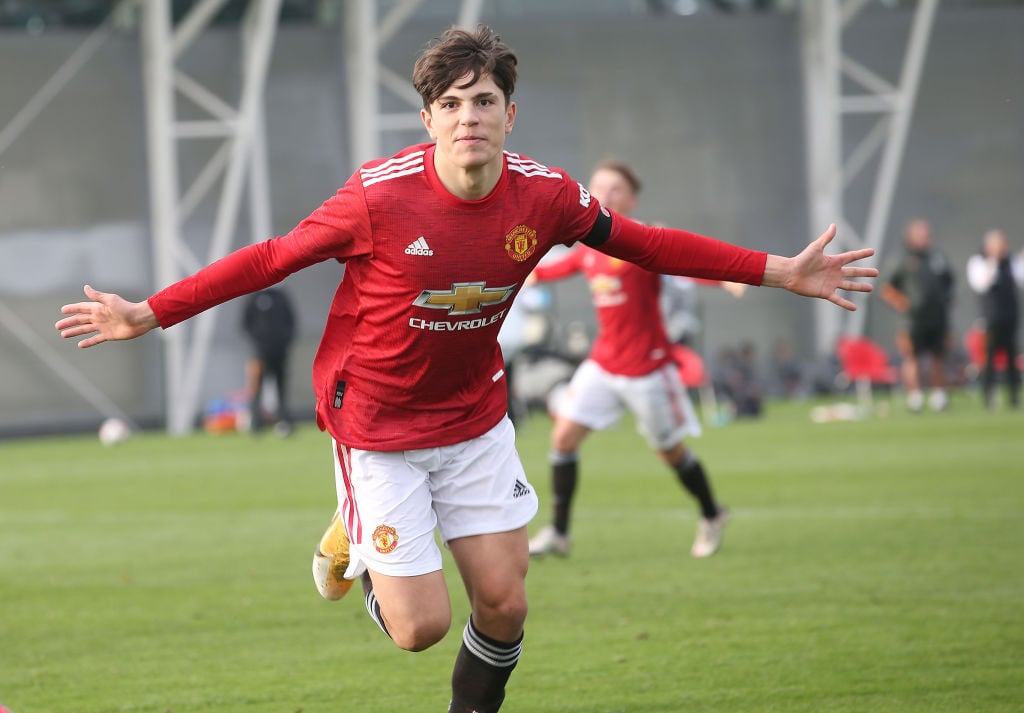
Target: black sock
691 475
372 605
564 470
481 671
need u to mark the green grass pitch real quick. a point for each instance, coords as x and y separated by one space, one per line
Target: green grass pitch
872 566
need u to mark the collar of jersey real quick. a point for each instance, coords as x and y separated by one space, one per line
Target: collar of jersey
448 197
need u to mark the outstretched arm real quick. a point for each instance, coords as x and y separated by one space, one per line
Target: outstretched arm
107 317
678 252
559 268
812 273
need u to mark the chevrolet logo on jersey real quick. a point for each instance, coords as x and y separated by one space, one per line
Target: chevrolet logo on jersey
464 297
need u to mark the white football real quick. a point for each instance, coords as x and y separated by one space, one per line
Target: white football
114 431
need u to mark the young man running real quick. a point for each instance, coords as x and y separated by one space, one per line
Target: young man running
437 240
630 367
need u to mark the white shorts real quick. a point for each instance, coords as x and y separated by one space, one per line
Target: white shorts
391 502
664 413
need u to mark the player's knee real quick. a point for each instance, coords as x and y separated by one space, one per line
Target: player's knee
561 445
674 455
566 442
420 633
566 437
505 613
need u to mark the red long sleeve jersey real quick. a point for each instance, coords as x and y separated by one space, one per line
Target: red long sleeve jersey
631 339
409 357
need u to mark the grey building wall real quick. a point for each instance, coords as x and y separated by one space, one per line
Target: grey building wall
708 109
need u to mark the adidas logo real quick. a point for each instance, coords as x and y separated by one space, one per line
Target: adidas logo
520 489
419 247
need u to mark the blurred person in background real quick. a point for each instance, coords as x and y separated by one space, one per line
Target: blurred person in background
746 388
919 285
680 306
268 320
737 382
786 374
997 277
436 241
516 336
629 368
512 340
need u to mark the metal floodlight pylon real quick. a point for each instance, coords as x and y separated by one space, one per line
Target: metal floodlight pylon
829 172
238 163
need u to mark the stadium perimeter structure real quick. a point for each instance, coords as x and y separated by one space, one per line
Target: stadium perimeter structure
238 163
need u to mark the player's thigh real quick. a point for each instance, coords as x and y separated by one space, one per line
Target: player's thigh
591 398
386 505
493 566
483 502
663 409
493 569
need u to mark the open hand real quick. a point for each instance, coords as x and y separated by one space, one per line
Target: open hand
107 317
812 273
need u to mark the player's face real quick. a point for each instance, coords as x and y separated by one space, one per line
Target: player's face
470 124
612 190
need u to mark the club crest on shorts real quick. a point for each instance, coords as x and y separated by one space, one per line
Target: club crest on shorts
385 539
520 242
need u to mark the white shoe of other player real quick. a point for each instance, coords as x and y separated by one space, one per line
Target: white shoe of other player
548 541
709 534
938 400
330 562
915 400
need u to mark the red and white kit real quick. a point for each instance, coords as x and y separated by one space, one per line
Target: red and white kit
409 358
630 365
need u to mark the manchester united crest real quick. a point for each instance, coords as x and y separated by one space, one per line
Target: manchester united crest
520 242
385 539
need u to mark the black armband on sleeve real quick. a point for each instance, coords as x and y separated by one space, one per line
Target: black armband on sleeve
601 231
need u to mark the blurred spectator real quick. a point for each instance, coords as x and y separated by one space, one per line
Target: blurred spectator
919 285
737 382
745 384
269 322
680 309
514 338
996 276
786 379
680 306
